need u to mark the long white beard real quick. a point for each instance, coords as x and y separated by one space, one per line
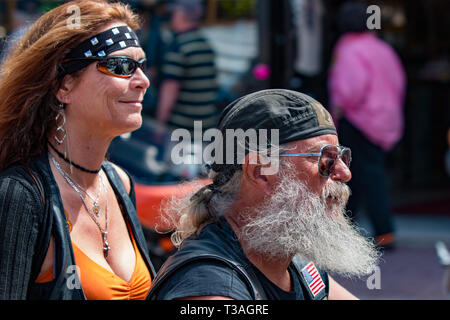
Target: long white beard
294 221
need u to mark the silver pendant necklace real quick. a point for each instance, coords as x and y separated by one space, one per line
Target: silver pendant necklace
96 209
92 213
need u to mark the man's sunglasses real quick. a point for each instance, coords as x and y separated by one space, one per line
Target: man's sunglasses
328 156
116 66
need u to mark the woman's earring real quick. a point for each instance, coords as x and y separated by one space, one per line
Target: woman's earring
60 130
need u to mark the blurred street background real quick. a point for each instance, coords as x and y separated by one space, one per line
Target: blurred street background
289 44
413 270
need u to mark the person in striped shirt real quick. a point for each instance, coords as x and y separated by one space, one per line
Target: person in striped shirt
188 90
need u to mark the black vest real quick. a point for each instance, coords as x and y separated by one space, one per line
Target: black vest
66 285
218 242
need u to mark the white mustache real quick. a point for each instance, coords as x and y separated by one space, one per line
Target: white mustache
337 190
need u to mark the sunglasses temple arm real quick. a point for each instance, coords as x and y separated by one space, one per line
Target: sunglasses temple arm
300 154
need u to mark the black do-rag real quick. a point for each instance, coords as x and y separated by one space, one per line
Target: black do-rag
296 116
99 45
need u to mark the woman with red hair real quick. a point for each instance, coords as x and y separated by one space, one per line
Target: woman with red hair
68 223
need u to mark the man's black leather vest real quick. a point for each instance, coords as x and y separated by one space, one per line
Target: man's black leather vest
66 285
218 242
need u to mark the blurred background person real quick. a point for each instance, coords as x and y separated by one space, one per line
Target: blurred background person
188 84
188 89
367 88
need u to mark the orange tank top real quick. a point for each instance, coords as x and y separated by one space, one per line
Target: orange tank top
99 283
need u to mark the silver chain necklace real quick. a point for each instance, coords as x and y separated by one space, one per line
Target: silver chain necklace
104 232
96 209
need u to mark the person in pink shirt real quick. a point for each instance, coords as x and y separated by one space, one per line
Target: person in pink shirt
367 87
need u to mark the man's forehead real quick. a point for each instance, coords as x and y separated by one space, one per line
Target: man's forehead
315 143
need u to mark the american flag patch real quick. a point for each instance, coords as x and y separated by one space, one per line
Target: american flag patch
313 279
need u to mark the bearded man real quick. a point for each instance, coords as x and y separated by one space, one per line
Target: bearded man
252 235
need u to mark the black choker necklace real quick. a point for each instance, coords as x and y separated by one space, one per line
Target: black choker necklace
71 162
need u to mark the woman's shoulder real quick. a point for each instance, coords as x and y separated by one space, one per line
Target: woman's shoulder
16 174
126 180
18 180
21 197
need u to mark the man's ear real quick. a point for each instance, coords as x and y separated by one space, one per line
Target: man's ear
63 94
253 172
